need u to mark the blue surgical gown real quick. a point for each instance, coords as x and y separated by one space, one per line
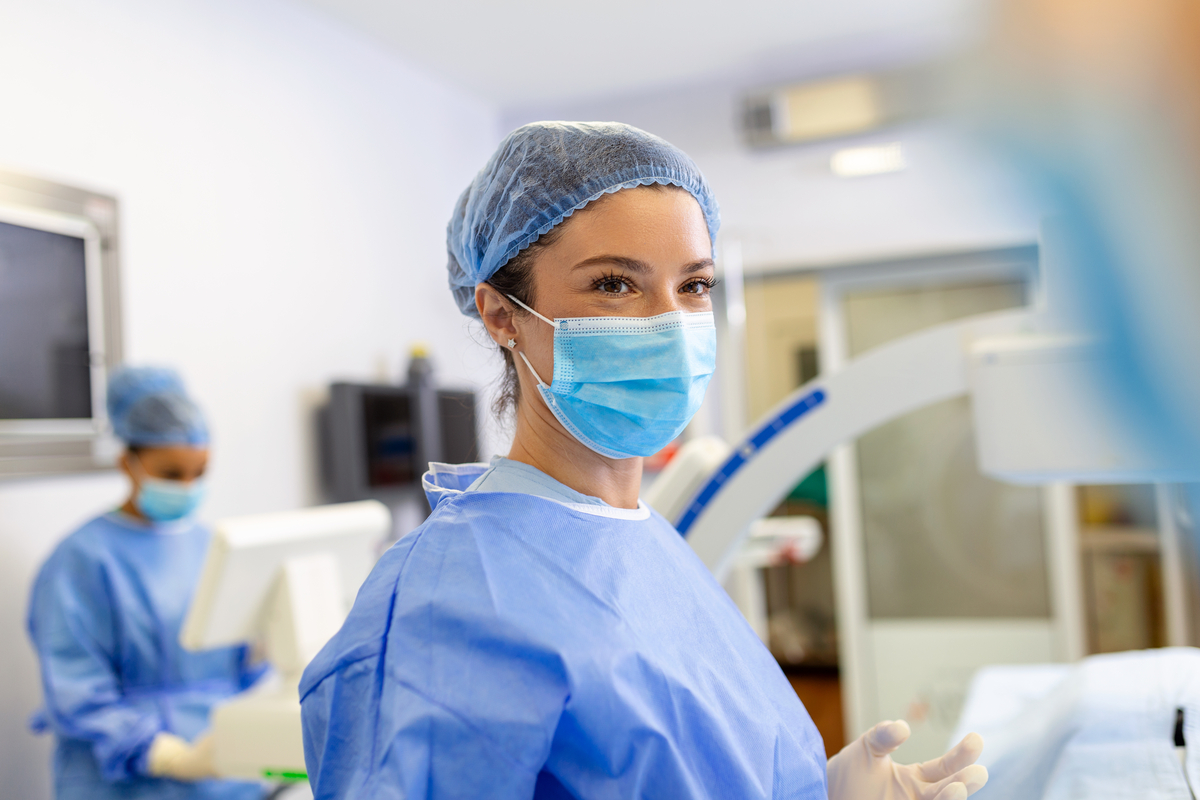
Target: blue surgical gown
515 646
104 618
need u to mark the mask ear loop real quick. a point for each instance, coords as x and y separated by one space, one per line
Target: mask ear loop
531 369
550 322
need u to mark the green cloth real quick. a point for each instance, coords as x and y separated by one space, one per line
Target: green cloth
813 489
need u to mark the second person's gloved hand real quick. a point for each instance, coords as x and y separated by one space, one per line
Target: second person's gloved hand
174 757
864 769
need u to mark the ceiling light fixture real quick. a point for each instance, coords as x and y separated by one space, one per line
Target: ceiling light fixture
856 162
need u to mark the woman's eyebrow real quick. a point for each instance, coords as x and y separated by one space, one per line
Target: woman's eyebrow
634 265
631 264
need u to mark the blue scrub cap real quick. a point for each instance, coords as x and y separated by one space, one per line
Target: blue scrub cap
149 407
540 175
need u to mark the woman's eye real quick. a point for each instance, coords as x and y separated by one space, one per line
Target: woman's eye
614 286
697 287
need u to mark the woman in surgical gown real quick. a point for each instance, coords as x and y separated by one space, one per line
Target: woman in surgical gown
545 634
127 705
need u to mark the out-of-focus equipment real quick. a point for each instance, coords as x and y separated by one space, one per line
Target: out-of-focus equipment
285 580
378 439
1112 725
60 324
1040 416
772 541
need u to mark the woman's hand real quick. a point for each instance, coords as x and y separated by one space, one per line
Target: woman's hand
864 769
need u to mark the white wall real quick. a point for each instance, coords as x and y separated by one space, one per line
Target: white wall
284 187
789 210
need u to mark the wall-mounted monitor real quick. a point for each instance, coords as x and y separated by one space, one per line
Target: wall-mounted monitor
371 439
59 326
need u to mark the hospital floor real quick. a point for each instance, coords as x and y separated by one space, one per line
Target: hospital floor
820 690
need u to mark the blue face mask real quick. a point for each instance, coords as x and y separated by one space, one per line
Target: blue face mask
166 501
627 386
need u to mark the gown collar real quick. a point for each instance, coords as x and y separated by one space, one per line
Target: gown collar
445 481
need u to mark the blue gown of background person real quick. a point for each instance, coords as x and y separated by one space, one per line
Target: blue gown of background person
105 617
521 645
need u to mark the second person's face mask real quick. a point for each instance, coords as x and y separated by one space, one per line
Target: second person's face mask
163 500
627 386
167 501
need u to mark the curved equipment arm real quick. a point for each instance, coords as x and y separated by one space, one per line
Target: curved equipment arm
886 382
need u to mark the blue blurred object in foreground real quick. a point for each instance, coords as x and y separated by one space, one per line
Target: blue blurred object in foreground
1095 106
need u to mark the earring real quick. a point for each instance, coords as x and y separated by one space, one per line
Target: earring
512 342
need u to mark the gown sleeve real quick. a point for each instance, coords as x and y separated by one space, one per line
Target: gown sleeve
429 697
252 667
74 634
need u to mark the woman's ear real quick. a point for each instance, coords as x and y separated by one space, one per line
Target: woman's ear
496 312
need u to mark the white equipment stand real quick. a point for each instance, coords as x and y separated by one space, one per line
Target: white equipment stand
287 580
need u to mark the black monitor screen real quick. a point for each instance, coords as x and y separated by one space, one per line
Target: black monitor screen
387 423
44 370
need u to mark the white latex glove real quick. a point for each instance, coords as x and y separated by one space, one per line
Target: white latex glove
174 757
864 769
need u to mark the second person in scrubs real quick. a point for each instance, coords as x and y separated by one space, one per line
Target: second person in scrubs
128 706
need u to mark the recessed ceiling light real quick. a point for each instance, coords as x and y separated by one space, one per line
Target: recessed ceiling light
855 162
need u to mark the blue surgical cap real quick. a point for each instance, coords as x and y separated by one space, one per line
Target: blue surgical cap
540 175
149 407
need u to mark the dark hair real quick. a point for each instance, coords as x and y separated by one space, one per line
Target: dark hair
516 278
